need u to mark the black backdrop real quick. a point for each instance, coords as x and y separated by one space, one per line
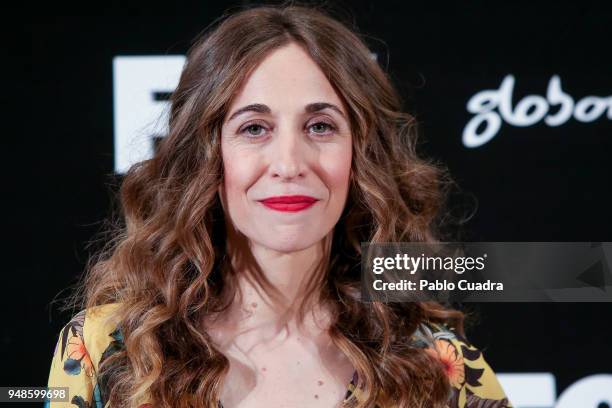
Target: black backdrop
533 183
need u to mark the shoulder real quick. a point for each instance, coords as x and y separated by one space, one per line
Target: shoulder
91 335
91 331
473 382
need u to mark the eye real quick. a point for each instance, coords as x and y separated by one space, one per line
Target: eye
322 126
250 127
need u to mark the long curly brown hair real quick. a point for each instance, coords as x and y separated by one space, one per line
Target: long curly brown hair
167 264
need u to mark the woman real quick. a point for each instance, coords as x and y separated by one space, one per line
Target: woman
235 281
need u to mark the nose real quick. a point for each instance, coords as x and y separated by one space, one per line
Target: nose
288 156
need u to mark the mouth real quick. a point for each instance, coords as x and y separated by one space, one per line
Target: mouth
291 203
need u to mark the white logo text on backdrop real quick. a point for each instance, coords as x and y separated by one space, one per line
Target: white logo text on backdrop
493 105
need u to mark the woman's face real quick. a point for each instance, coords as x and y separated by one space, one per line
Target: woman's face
286 134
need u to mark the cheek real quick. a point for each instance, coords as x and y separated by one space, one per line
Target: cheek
337 167
238 172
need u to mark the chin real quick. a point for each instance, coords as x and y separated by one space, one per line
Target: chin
289 242
289 245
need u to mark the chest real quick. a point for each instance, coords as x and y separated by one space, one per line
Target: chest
294 374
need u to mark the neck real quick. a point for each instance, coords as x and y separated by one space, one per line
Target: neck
255 311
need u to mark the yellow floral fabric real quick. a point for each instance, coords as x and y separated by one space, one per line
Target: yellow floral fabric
473 382
90 337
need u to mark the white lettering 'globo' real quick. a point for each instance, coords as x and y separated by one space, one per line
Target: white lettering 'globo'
556 96
523 114
491 106
591 107
482 103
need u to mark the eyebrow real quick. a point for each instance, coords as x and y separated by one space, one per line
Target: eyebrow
310 108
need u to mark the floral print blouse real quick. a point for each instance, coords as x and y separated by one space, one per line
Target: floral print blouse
90 337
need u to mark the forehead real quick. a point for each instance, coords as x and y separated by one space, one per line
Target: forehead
287 79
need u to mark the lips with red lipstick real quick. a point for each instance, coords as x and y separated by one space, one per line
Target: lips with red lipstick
289 203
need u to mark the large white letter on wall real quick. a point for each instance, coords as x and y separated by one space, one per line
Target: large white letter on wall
138 116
